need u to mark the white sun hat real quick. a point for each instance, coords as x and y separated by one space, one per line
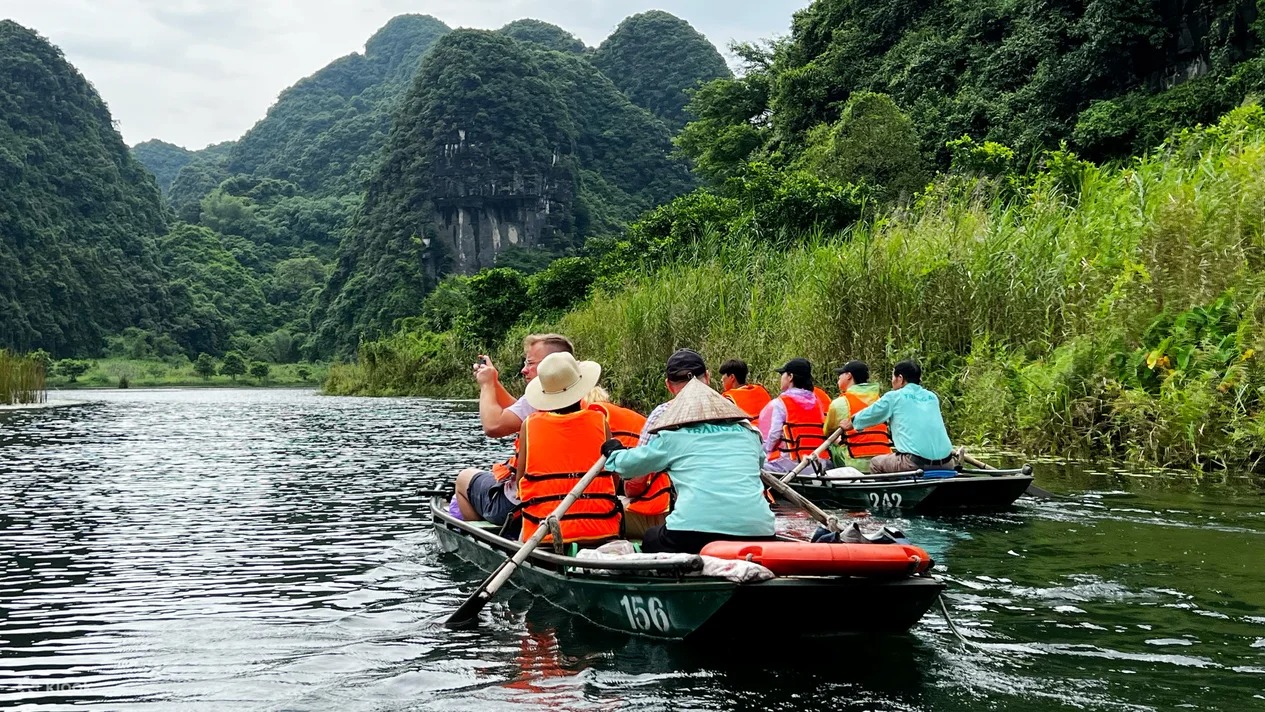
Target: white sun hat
561 381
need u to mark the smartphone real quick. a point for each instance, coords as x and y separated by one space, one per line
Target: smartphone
483 361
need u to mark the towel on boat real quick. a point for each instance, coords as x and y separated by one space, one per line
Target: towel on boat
733 570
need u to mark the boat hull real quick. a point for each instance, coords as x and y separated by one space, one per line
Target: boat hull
918 494
681 607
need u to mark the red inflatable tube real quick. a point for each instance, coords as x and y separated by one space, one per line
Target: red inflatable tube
795 558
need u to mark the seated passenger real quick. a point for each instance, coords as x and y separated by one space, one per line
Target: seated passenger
713 455
647 500
751 397
557 446
919 438
794 419
857 446
489 494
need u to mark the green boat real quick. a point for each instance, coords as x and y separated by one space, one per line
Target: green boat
671 602
917 490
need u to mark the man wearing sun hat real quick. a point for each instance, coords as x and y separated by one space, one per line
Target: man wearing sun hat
557 445
713 455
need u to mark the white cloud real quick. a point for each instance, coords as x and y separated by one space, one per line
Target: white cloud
195 72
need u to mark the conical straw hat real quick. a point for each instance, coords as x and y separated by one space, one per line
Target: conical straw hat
698 403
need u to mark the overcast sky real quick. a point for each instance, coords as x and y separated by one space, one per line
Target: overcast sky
196 72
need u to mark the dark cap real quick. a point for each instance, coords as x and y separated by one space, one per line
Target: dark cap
684 364
859 370
798 367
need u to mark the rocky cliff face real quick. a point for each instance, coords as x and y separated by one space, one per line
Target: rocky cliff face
477 213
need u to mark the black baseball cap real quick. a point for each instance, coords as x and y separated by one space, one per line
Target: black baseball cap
859 369
685 364
798 367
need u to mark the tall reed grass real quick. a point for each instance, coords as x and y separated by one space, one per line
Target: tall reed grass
21 379
1072 318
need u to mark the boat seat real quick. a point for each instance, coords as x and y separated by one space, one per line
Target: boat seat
938 474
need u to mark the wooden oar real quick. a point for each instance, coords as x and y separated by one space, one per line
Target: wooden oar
468 613
1032 491
834 437
827 520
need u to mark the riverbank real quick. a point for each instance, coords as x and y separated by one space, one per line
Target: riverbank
132 373
1104 312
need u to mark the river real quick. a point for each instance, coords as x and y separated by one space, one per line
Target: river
269 550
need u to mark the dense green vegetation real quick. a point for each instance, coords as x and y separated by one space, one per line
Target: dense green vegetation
535 117
174 372
545 35
656 59
79 217
21 379
162 159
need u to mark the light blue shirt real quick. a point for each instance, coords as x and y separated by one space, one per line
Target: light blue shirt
715 469
913 414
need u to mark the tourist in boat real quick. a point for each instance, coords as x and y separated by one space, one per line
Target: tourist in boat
489 494
919 438
559 443
856 447
794 419
750 397
647 500
714 456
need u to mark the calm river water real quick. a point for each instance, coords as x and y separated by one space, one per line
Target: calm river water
268 550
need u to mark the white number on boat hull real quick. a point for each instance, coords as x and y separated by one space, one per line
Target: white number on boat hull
645 613
885 500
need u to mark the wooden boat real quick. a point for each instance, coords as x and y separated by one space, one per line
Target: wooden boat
664 601
918 490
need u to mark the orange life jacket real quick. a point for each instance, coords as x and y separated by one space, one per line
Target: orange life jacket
823 399
751 398
557 449
625 426
801 434
502 471
870 442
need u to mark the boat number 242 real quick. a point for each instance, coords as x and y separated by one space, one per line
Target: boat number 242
885 500
646 613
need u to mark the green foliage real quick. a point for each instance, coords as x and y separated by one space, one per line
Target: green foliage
545 35
656 58
162 159
987 159
729 117
446 303
233 365
303 372
72 369
498 297
527 260
873 143
259 371
137 343
561 286
1112 78
79 217
205 366
22 377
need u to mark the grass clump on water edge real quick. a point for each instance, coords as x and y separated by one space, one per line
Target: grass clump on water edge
1092 311
21 379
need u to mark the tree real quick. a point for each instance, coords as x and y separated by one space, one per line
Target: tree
303 372
259 371
204 366
498 297
72 369
233 365
873 143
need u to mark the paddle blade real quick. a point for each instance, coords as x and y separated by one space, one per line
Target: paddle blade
467 616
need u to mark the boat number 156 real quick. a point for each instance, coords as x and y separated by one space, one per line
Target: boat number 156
645 613
886 500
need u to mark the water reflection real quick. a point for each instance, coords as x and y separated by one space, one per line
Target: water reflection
269 550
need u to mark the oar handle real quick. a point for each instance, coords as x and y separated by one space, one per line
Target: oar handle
830 522
971 460
834 437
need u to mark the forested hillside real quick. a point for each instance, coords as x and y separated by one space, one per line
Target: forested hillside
162 159
79 217
543 152
656 59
